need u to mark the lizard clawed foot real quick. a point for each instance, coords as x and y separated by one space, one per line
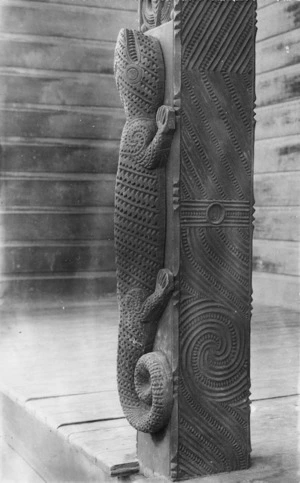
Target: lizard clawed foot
165 119
164 281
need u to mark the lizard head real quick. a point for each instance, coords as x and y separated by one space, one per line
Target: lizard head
139 73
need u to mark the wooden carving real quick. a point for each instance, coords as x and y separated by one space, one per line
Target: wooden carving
217 92
154 13
144 285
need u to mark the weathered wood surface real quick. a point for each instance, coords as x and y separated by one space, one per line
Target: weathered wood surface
61 122
278 120
277 52
275 256
60 155
53 19
112 4
277 223
276 290
51 224
50 191
56 53
45 257
277 18
70 353
46 87
281 154
277 189
278 86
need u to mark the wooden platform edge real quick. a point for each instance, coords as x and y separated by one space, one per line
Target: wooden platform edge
50 453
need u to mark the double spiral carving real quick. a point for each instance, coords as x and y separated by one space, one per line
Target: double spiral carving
214 347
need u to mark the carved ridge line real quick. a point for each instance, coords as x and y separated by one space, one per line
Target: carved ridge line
214 139
210 421
224 118
224 292
142 237
194 137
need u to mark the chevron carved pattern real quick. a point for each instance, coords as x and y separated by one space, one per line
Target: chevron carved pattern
216 214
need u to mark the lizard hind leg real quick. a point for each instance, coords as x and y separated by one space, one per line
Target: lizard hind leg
153 375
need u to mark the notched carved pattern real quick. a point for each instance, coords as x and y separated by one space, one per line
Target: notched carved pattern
144 286
216 233
154 13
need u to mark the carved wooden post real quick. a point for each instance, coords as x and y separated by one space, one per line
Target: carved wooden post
203 336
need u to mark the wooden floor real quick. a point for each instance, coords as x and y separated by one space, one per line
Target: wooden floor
59 367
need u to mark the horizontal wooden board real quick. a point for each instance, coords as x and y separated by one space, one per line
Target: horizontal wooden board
273 256
277 18
278 51
113 4
42 192
264 3
278 120
277 189
34 122
59 411
59 289
38 18
37 52
38 87
280 154
278 291
99 439
278 86
280 223
41 257
59 156
49 225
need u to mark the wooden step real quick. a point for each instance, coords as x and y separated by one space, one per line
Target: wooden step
42 18
68 191
42 52
65 224
59 288
27 86
59 155
34 121
46 257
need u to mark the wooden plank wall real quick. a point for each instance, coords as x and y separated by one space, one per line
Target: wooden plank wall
277 155
60 124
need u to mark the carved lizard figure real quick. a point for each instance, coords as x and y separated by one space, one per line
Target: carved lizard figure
144 286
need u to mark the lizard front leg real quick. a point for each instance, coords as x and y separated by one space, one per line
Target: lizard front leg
158 150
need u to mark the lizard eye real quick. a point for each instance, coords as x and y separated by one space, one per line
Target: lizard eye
133 73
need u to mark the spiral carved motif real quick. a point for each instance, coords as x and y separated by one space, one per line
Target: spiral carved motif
214 345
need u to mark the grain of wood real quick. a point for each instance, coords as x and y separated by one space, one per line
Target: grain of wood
277 52
277 18
276 290
275 256
280 223
278 120
278 86
277 189
281 154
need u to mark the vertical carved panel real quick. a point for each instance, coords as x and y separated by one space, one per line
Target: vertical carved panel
216 235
